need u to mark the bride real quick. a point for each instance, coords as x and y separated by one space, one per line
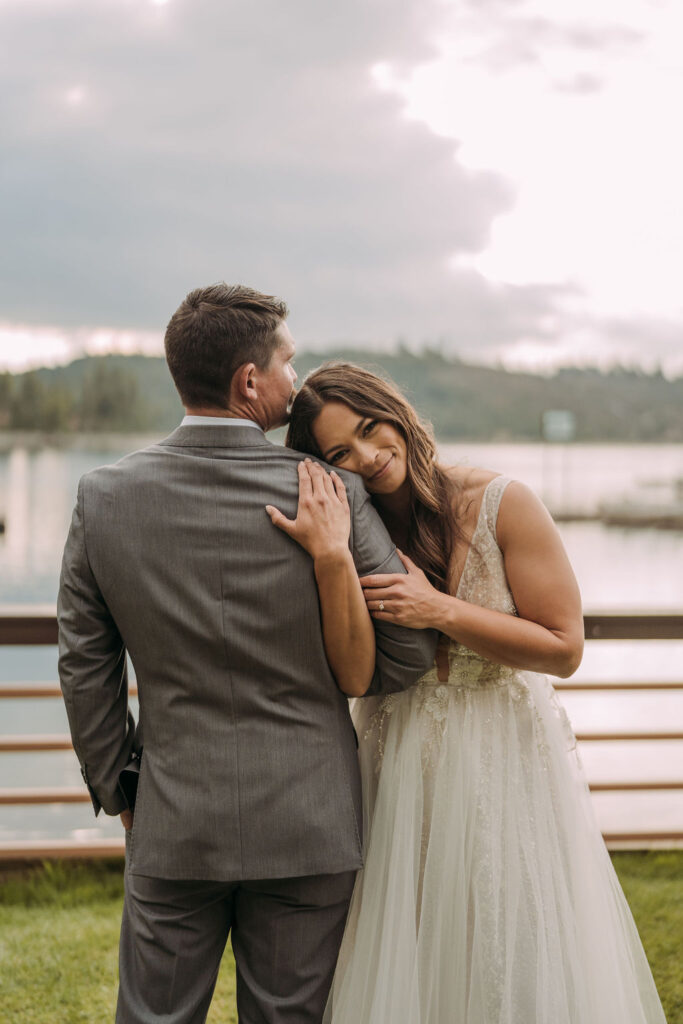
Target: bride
487 895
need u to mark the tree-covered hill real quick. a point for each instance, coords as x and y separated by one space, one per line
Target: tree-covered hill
135 393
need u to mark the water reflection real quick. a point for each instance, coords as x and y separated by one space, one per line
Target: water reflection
37 495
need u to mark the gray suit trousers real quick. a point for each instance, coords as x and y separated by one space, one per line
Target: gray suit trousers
285 937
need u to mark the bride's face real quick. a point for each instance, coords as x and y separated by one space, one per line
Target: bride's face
373 448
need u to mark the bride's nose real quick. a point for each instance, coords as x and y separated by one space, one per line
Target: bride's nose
367 456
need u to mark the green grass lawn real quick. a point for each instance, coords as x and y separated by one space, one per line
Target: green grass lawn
59 927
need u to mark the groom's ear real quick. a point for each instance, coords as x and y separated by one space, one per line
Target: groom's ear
244 382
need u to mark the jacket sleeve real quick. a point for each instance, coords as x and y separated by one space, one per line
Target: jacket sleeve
403 655
93 674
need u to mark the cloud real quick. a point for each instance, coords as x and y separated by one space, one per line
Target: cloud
523 33
151 150
589 339
151 147
25 346
582 84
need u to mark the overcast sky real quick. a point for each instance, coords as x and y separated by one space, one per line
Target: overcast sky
500 177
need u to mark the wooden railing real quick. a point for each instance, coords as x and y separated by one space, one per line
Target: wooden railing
38 626
32 625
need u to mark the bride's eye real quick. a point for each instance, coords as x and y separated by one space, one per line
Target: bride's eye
369 427
333 459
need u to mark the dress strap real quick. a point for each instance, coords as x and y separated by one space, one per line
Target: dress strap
492 498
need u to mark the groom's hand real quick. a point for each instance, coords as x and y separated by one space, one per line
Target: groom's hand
127 820
323 519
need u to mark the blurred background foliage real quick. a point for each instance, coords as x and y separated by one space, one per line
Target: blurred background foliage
129 394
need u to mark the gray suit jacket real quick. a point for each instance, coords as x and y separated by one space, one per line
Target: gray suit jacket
249 767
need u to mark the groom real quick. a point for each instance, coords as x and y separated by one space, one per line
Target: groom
247 818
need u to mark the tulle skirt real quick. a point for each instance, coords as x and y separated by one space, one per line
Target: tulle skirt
487 895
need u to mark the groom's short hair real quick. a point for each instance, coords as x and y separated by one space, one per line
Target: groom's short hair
212 333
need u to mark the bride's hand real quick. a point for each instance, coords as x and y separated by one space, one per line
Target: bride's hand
408 600
323 519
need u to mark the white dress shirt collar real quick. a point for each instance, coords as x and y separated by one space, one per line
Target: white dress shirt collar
217 421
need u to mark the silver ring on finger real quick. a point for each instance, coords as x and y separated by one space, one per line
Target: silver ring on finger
381 606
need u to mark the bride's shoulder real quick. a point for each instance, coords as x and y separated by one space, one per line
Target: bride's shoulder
471 481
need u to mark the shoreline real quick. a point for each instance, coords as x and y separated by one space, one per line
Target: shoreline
35 440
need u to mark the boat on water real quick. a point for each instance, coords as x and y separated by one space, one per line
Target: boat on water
657 503
649 507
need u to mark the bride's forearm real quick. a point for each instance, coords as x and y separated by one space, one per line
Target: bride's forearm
348 632
507 639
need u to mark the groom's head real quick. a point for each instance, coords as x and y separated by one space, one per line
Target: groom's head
229 351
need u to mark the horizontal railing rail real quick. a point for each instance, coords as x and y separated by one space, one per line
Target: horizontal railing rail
21 690
18 691
60 849
28 625
68 849
603 686
25 744
33 626
63 795
30 744
633 625
21 795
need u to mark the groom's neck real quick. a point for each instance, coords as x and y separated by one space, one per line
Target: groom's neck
228 414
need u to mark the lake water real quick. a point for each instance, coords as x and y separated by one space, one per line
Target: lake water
617 569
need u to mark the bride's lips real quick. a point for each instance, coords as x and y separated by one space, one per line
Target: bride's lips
382 471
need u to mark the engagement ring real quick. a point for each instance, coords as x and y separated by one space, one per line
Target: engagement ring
381 606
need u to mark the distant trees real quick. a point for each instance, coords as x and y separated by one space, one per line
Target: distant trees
108 398
111 399
27 402
6 381
479 403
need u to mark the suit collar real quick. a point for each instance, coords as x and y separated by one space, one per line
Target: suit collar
219 436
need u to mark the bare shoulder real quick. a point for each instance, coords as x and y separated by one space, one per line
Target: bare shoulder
471 480
522 512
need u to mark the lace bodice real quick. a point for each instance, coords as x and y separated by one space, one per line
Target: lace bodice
483 582
483 579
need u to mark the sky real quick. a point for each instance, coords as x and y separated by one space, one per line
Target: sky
496 178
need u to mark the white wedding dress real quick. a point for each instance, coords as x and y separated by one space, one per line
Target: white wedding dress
487 895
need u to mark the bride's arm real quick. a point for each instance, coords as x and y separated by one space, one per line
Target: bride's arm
348 634
322 527
547 634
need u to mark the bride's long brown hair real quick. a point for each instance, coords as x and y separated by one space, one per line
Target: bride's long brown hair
433 526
